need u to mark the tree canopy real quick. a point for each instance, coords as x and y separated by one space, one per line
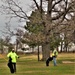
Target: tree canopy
50 17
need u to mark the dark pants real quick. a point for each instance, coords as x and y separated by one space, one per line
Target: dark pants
12 67
48 60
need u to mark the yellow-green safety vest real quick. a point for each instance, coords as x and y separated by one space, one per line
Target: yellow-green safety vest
13 56
55 53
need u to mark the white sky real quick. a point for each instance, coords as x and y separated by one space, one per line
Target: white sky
26 6
3 19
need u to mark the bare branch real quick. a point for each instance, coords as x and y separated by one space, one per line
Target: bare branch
36 4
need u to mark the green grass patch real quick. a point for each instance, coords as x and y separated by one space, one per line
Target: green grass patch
28 65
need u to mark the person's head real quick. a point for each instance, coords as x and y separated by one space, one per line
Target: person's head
13 50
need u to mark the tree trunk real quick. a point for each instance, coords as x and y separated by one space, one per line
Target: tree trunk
61 47
2 49
38 54
45 51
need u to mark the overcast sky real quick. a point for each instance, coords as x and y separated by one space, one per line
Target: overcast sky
3 19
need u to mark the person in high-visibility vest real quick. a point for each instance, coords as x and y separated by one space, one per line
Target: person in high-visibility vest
54 55
12 59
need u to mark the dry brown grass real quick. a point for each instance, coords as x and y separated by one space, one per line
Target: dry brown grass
66 55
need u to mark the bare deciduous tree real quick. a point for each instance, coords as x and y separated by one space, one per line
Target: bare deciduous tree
54 14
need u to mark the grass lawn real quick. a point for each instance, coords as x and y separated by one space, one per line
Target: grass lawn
28 65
